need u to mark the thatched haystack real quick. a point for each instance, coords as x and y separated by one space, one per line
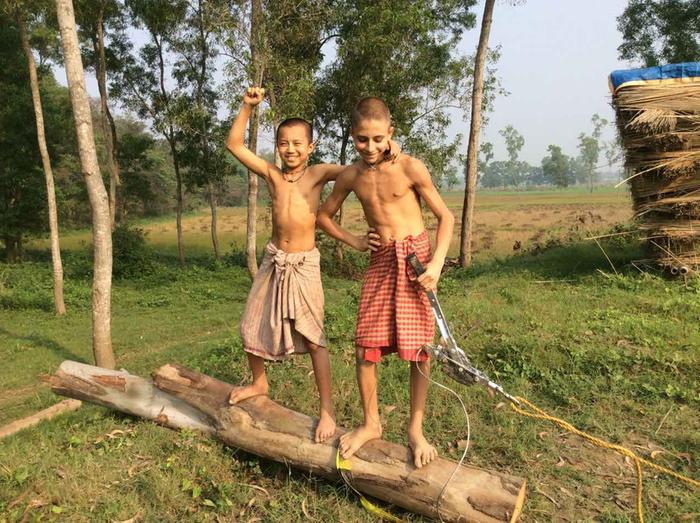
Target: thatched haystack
658 118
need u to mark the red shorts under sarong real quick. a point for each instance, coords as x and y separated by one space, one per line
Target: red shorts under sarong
395 314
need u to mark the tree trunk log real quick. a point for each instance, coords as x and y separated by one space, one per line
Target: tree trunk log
99 201
185 398
57 264
127 393
465 246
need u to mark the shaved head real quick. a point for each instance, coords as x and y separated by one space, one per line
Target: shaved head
370 108
292 122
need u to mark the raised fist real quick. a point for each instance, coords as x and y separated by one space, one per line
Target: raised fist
253 95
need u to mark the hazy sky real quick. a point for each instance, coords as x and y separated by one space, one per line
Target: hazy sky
555 59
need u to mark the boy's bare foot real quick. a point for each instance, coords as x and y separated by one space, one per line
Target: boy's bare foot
325 428
248 391
423 452
353 441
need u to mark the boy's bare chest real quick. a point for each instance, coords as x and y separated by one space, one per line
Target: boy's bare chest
382 186
302 192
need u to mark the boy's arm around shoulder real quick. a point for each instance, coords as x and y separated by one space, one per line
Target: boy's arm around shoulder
324 219
235 143
419 175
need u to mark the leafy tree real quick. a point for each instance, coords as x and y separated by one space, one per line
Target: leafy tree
514 144
495 175
660 31
144 86
556 167
94 18
23 197
196 47
589 152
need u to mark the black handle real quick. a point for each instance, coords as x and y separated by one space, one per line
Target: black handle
414 262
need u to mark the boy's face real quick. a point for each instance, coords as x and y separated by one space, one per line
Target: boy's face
294 146
371 138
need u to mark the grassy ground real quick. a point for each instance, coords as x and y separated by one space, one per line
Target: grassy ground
616 354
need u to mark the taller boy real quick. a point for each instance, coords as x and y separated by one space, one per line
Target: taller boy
394 314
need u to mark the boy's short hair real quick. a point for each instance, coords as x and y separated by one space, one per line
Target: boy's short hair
291 122
370 108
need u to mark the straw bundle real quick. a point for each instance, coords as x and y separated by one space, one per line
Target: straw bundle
659 125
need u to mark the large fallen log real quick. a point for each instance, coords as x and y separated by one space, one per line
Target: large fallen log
262 427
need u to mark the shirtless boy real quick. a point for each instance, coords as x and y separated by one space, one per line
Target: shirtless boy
394 313
284 311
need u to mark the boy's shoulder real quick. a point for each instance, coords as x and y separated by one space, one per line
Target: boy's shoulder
410 165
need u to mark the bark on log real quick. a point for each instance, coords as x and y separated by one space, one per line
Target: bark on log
265 428
127 393
34 419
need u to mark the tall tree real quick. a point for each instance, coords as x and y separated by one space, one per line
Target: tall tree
99 200
256 67
514 144
589 150
93 17
660 31
59 304
465 246
142 83
555 166
196 48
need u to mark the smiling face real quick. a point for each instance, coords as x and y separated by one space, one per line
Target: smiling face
294 145
371 138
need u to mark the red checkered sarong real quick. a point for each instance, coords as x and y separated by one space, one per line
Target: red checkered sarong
395 314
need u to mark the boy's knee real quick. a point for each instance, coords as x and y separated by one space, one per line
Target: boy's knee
313 348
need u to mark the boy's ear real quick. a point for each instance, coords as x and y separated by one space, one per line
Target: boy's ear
312 146
391 131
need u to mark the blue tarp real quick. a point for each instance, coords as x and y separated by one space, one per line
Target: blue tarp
668 72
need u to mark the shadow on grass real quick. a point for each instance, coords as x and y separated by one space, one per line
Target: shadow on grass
45 343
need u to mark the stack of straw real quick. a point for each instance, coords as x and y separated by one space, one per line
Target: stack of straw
658 117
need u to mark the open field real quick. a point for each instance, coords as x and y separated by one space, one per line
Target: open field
617 354
502 219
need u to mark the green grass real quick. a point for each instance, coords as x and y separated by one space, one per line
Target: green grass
617 355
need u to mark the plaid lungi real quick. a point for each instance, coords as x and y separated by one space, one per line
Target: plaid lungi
285 305
394 313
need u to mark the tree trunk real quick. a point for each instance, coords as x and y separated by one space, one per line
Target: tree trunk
341 212
212 206
101 227
57 264
465 246
13 248
108 128
178 203
260 426
256 61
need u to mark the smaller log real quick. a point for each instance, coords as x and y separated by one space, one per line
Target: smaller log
127 393
34 419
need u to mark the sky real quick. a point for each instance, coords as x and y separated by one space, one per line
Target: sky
556 56
555 60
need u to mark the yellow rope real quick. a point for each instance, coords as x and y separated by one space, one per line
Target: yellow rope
538 413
